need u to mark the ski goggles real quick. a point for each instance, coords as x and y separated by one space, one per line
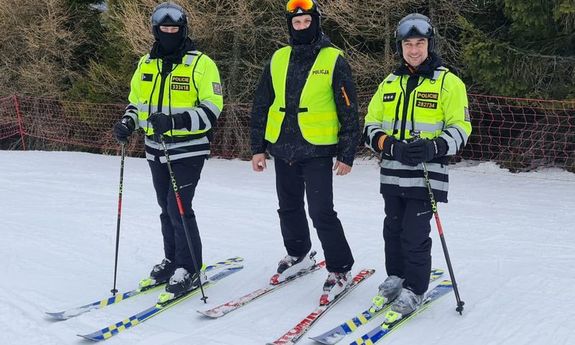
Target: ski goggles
414 28
305 5
168 15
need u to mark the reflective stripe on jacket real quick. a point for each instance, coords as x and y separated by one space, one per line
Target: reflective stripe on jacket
438 107
192 86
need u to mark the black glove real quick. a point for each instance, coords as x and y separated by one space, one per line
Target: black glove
123 129
398 150
163 123
424 150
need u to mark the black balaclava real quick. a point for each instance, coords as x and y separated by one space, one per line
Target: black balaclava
305 36
169 14
171 43
309 35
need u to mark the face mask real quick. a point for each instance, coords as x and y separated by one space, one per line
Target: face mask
305 36
170 42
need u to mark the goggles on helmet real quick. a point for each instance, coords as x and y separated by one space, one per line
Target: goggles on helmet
168 15
414 28
305 5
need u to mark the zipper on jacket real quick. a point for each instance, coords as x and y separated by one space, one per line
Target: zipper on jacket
408 93
164 74
404 111
397 113
162 85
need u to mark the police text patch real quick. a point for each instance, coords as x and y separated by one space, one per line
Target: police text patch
428 95
388 97
320 71
147 77
181 87
427 105
217 88
178 79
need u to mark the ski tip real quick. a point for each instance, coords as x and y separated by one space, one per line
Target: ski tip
88 337
234 268
57 316
211 315
328 341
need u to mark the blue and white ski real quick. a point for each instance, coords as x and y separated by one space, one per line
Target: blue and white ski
72 312
136 319
393 321
337 333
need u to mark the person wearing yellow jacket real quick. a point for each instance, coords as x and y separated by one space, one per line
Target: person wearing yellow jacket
419 114
175 99
304 114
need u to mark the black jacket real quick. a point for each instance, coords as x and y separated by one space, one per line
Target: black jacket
291 146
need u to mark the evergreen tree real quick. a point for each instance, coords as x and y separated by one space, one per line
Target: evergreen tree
521 48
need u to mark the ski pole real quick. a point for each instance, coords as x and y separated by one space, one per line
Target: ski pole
460 303
123 148
182 215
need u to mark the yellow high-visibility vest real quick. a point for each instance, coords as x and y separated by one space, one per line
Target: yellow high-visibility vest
317 114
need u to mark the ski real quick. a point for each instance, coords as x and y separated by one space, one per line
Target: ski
136 319
300 329
393 321
73 312
337 333
237 303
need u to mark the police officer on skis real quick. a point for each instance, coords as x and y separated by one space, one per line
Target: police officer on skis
305 113
419 114
175 99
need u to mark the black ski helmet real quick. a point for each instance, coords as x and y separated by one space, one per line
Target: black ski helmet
415 25
296 8
168 13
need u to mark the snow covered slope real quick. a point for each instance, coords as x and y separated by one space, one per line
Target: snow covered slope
511 238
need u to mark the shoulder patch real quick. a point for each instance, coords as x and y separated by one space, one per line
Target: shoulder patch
147 76
217 87
466 112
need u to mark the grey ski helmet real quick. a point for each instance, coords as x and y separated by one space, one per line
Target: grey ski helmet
415 25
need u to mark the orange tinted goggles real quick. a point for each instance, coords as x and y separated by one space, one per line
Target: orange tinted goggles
305 5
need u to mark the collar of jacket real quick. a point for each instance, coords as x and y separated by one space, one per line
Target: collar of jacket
177 57
426 69
313 48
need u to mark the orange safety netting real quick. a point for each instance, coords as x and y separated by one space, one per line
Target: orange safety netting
519 134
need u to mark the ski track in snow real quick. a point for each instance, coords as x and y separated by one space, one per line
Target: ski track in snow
510 238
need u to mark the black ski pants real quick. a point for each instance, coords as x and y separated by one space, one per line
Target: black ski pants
314 177
407 243
187 173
